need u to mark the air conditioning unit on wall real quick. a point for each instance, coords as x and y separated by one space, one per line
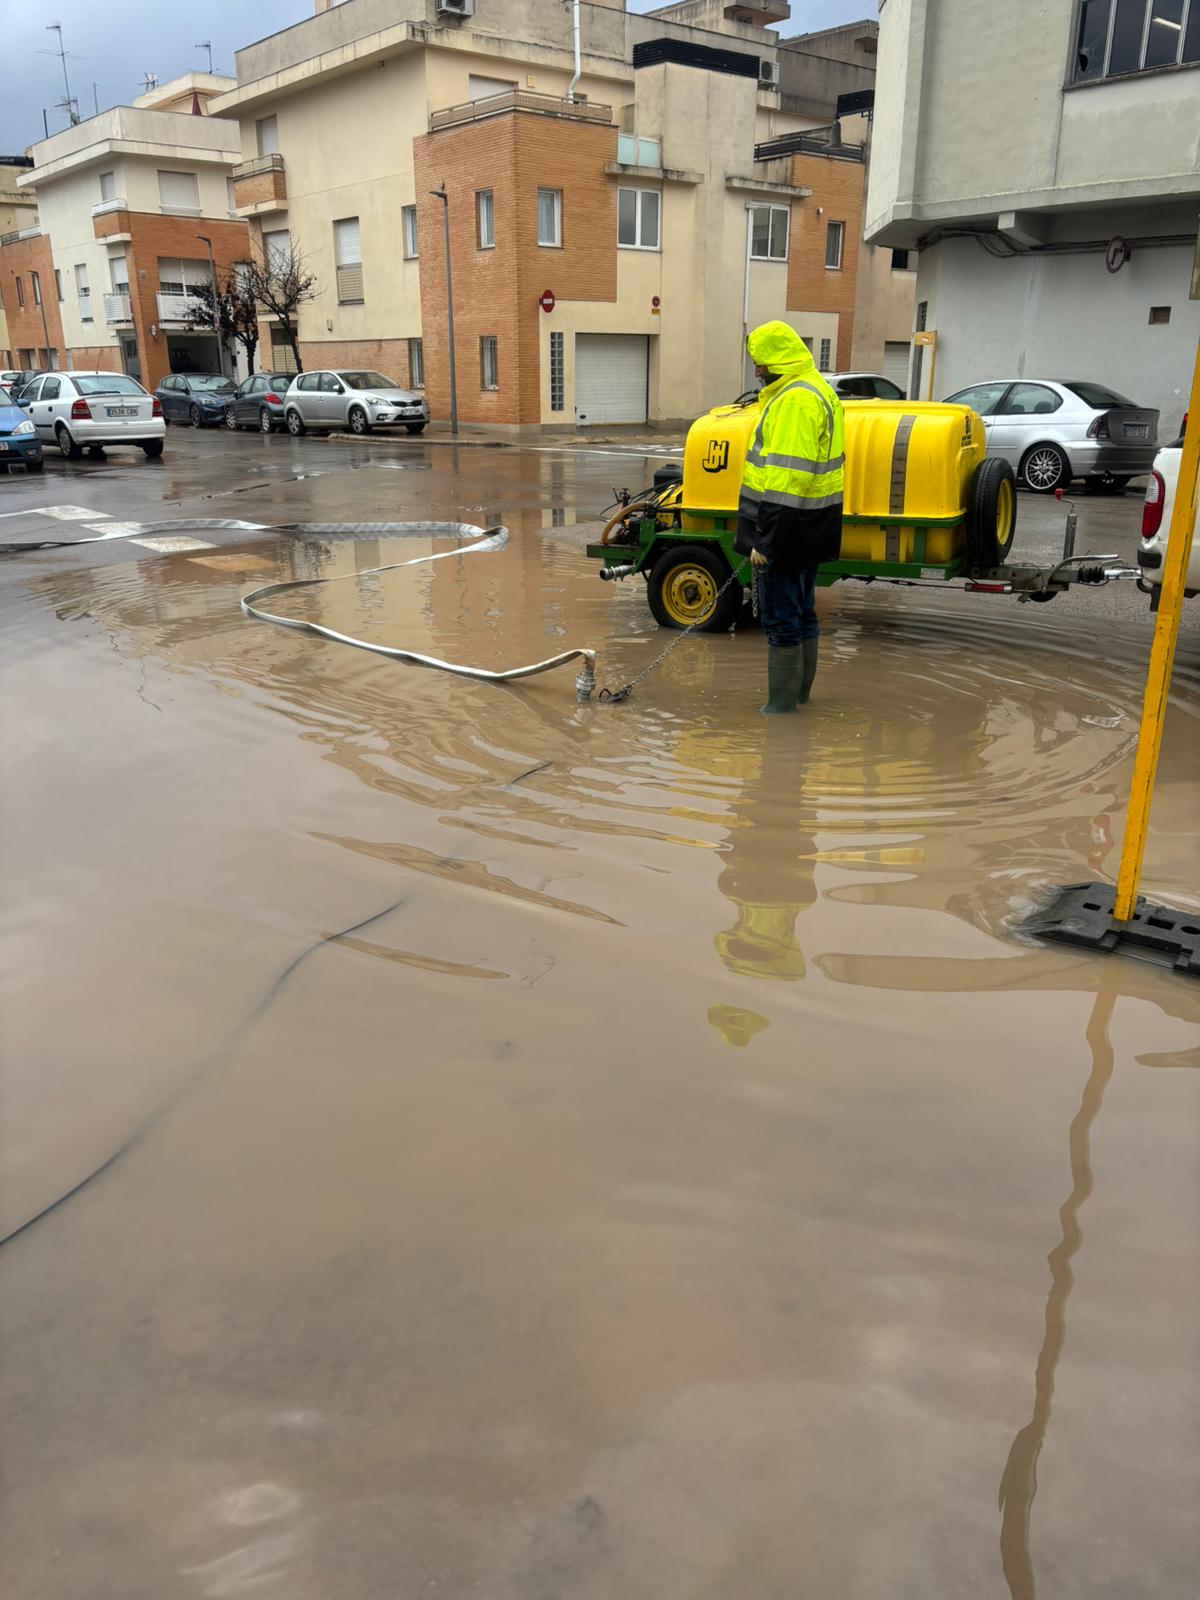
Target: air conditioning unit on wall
768 72
456 8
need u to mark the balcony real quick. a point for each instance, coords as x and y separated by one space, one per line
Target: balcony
116 308
259 186
496 105
174 307
110 222
118 202
19 234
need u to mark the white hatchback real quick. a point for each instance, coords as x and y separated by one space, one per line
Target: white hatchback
81 411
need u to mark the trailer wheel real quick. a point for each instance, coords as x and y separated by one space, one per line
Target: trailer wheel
991 513
683 588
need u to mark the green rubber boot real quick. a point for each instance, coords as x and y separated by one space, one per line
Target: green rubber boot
785 665
810 669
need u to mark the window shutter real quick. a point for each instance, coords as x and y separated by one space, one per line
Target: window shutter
178 191
349 250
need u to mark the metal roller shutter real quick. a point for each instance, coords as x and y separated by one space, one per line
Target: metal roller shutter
611 371
895 362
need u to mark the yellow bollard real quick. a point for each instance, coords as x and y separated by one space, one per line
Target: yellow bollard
1162 655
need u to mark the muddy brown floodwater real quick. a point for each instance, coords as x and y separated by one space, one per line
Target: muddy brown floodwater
583 1152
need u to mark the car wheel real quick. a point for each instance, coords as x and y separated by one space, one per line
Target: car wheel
1045 469
265 421
991 521
34 466
683 590
194 416
95 453
230 419
358 420
414 427
153 448
70 450
1105 483
295 424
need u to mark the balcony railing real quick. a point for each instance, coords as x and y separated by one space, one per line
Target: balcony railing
174 307
20 233
495 105
251 169
116 308
811 142
117 203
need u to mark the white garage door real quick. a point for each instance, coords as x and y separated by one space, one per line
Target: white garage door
895 362
610 377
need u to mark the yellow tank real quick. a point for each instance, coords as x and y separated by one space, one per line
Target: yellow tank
902 460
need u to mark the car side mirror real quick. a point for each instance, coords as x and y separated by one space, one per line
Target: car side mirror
339 388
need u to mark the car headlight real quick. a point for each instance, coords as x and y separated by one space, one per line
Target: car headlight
24 427
374 400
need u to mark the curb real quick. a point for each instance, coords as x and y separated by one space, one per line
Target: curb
488 444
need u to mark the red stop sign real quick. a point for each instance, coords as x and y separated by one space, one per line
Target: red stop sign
547 300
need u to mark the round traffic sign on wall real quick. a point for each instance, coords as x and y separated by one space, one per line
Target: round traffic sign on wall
547 300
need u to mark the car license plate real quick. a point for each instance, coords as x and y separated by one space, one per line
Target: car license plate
122 411
3 446
1137 430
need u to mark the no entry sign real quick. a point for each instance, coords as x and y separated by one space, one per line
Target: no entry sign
547 300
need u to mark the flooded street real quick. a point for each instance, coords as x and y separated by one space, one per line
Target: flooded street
528 1149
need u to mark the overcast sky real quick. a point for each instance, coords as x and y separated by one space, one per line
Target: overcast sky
114 45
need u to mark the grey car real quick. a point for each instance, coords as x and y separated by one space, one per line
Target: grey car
1050 432
258 402
352 398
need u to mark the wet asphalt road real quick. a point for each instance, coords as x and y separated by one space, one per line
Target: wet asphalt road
270 480
482 1145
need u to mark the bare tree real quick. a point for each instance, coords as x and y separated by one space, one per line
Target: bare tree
235 311
280 283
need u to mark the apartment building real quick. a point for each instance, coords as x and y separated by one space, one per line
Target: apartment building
129 205
612 235
1053 194
29 324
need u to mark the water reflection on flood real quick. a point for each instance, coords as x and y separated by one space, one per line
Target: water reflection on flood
629 1136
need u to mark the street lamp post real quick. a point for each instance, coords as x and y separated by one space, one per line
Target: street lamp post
212 278
441 195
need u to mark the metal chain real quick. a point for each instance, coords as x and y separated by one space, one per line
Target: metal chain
614 697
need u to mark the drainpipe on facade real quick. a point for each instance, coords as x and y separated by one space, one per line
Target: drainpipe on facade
746 286
578 69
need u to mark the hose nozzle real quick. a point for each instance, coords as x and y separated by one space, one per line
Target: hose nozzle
609 574
585 682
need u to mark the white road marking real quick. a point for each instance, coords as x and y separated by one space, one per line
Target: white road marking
166 546
114 530
71 513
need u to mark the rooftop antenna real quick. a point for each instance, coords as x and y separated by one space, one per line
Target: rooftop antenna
67 103
206 44
149 81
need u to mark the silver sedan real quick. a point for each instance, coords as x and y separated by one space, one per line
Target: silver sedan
352 399
1051 432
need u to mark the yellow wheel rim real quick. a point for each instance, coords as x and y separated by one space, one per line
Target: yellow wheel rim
689 594
1004 515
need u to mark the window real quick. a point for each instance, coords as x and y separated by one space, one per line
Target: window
108 186
638 218
51 388
826 351
118 383
981 397
177 277
834 232
1159 315
416 363
277 250
489 372
901 260
1029 400
283 357
557 375
58 285
231 197
885 389
36 280
1099 397
769 233
308 381
34 389
20 292
83 289
632 152
485 231
267 133
408 224
479 88
179 194
348 255
1119 36
549 216
327 383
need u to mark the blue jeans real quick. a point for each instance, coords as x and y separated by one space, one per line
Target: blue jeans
787 603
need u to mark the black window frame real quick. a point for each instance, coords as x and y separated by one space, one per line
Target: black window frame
1114 13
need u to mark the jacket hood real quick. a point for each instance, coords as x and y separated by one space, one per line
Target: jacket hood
780 349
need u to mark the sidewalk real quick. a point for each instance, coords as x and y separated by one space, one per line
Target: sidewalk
474 434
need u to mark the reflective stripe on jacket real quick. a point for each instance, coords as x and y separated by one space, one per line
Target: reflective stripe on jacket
797 451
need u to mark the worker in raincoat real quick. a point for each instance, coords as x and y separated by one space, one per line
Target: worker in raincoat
790 511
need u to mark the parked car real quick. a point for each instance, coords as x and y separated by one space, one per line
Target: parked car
1050 432
81 411
352 399
22 381
258 402
199 398
1157 509
863 386
18 437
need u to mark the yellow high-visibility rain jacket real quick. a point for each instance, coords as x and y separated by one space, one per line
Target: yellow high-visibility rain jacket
791 501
